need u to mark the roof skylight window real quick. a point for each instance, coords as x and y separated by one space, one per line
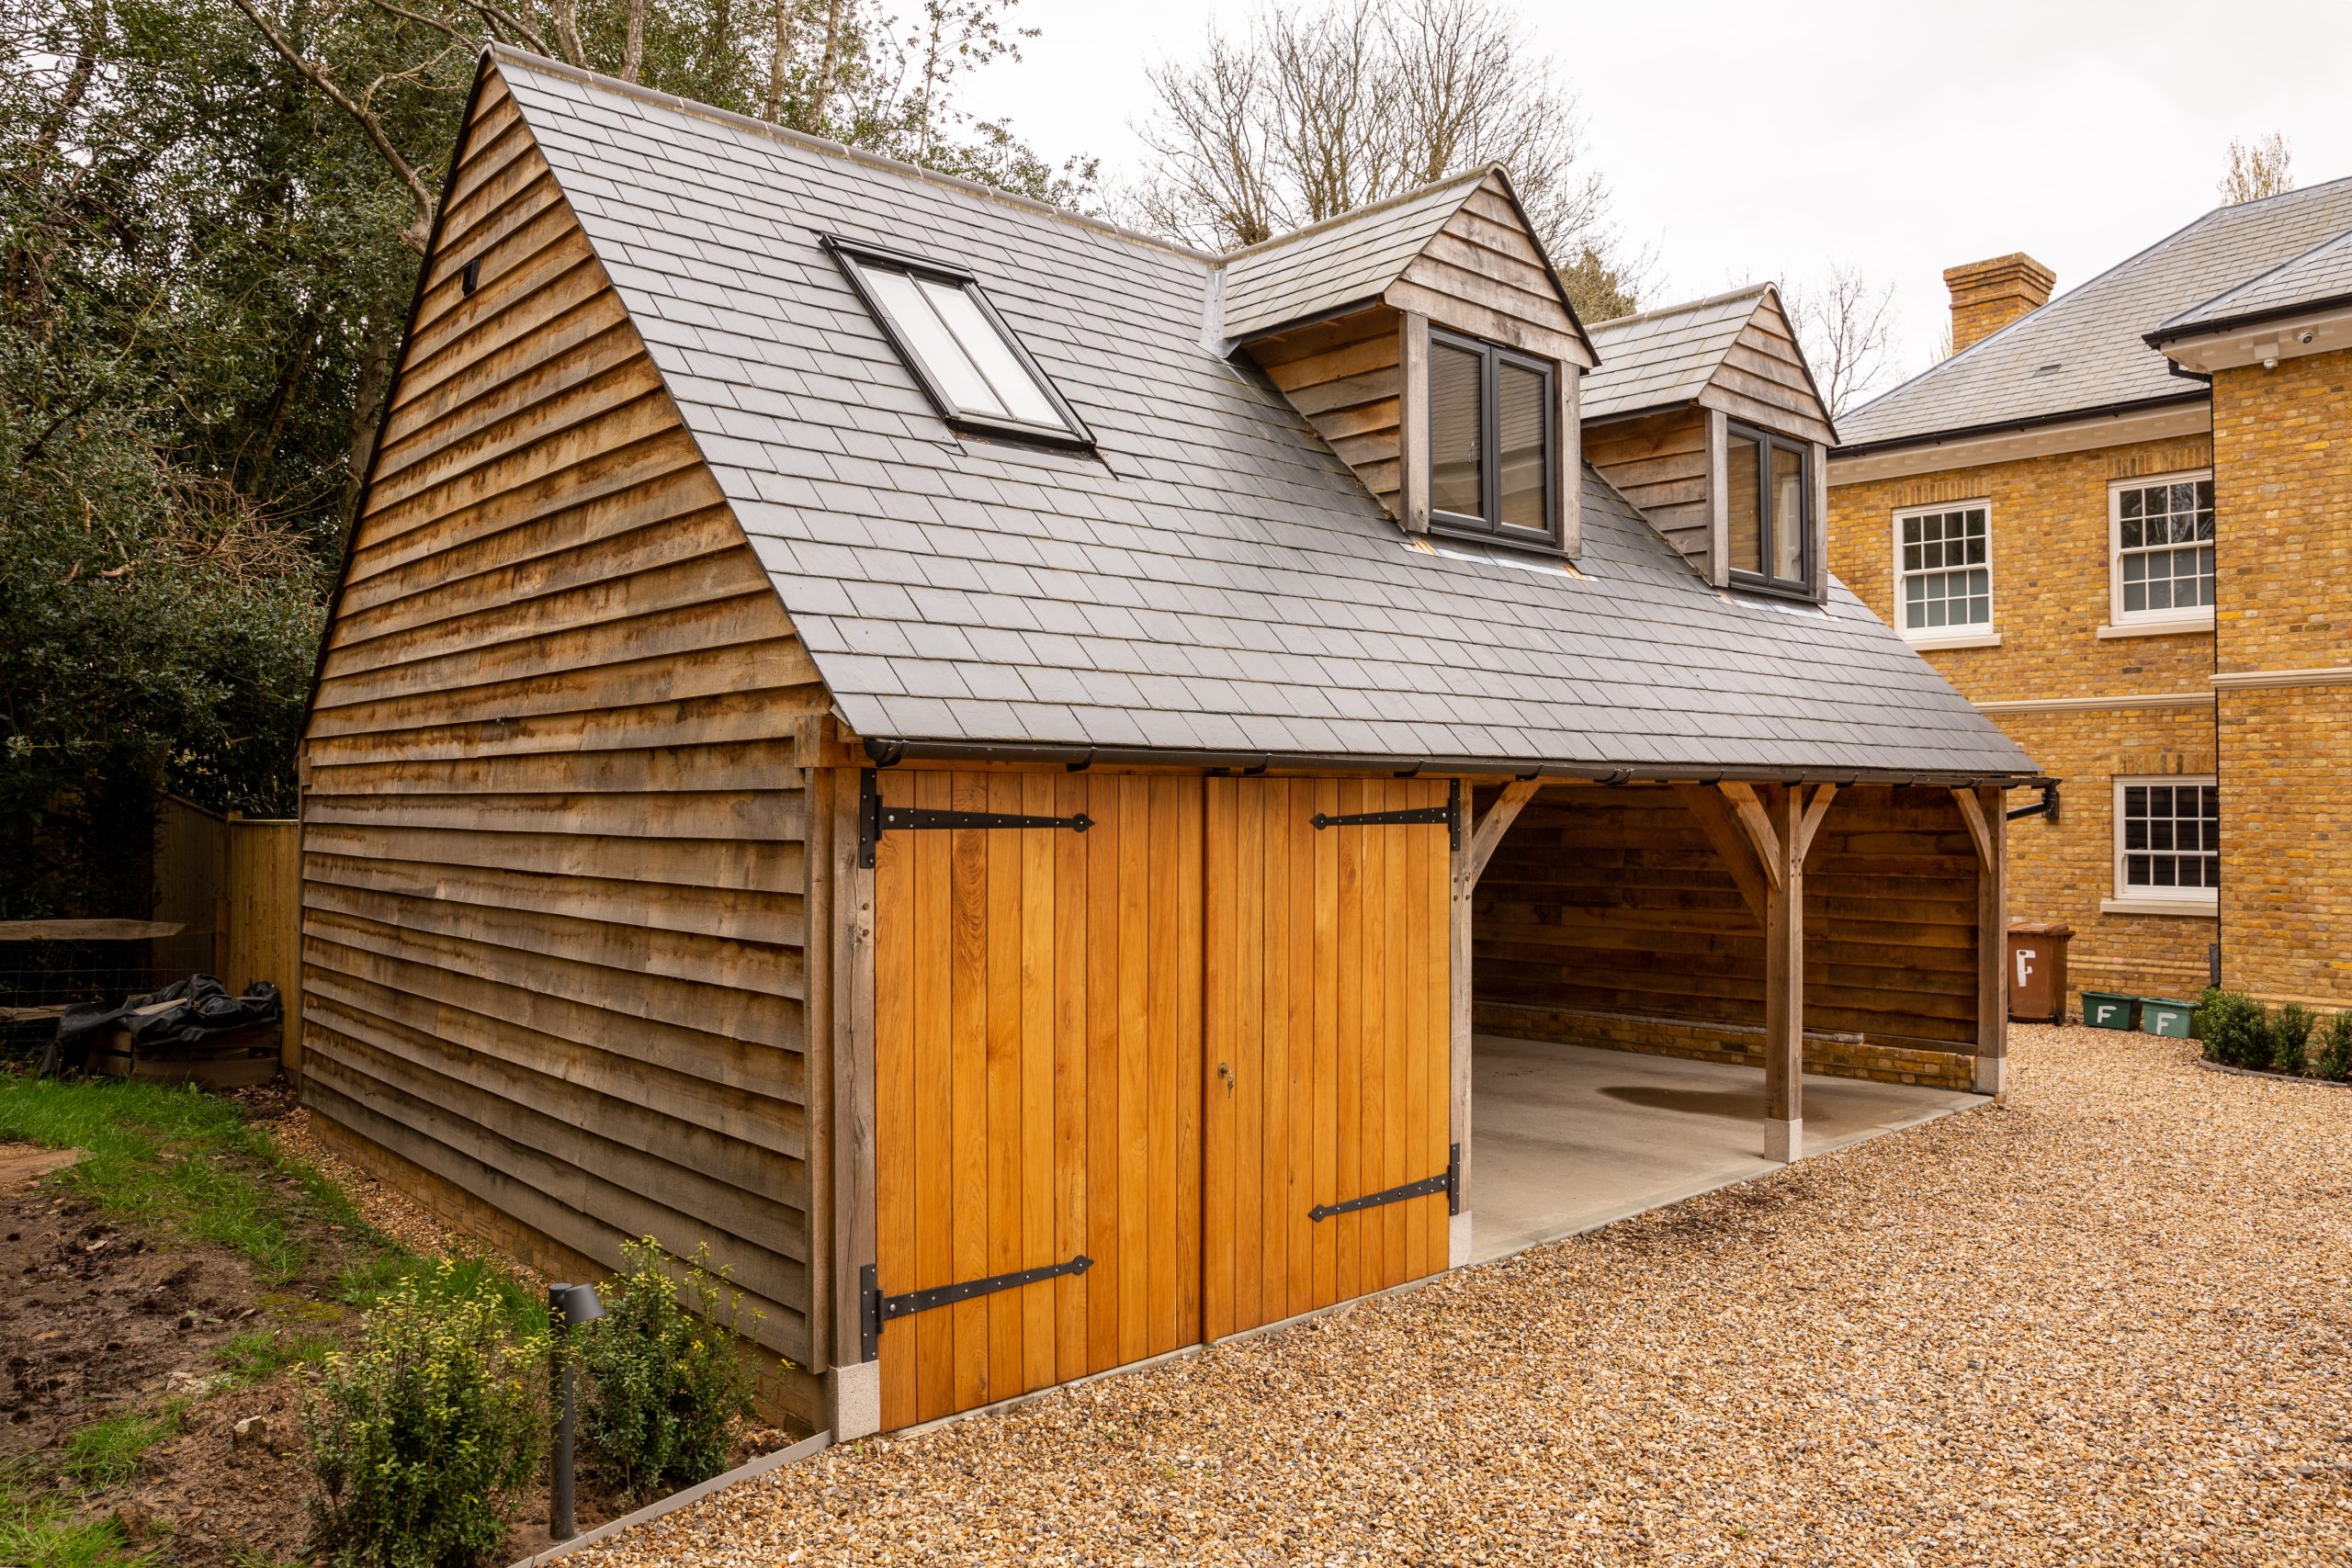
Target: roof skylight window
971 367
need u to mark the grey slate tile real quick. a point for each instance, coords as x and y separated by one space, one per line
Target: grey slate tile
1216 577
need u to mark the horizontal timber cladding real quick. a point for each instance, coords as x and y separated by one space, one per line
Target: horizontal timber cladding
1344 377
1763 380
553 827
1659 463
1611 903
1328 1045
1037 1071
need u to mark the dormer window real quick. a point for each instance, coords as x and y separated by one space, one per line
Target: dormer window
1492 440
974 370
1768 511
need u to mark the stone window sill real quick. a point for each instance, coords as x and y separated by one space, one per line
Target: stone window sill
2194 909
2187 627
1927 641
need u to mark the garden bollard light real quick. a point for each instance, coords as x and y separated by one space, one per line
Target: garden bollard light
571 1305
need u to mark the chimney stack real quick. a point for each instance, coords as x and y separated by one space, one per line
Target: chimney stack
1988 294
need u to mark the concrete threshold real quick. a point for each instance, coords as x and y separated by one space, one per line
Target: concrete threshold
1569 1138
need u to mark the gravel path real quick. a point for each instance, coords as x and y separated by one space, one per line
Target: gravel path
2108 1320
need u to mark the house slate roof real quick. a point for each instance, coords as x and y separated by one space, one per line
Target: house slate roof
1347 260
2085 350
1665 356
2322 272
1213 578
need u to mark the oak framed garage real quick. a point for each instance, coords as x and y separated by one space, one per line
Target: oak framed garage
1026 906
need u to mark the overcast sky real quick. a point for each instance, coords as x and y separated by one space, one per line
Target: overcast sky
1902 135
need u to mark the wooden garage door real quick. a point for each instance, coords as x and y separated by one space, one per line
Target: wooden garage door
1326 1050
1037 1057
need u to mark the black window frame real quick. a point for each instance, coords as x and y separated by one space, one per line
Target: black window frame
1490 526
1766 524
849 255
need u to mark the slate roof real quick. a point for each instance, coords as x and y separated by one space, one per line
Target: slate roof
1346 259
1214 579
2322 272
1666 355
2085 350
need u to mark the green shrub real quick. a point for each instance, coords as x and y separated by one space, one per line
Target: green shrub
2290 1039
2335 1059
422 1435
666 1383
2236 1030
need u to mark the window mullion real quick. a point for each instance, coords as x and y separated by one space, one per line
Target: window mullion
1491 440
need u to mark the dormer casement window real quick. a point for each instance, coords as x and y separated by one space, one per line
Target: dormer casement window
1767 510
968 361
1706 417
1427 340
1494 439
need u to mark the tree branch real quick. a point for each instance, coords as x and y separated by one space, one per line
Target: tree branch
520 29
419 232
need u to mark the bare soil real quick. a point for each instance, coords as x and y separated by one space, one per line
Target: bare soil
100 1318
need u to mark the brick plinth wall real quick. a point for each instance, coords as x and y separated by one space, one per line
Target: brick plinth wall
1837 1055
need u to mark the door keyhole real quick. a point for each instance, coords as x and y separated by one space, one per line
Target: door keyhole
1225 1073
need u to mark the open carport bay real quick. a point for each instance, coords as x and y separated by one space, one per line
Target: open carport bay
1569 1137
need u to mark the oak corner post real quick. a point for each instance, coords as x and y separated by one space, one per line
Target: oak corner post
1474 847
1985 811
848 1020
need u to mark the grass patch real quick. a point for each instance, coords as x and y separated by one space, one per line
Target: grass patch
259 1354
180 1161
523 1308
41 1532
107 1453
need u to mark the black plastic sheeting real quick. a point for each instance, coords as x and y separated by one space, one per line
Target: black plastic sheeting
204 1010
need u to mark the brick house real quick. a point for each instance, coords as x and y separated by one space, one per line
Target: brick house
2100 519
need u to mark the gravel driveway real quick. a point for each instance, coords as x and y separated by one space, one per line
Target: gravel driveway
2107 1321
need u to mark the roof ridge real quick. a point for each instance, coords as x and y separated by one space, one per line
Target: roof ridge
2189 317
1353 213
501 52
2094 280
2283 194
1725 298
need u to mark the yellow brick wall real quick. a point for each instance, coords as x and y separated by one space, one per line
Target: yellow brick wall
2064 871
2283 443
2047 532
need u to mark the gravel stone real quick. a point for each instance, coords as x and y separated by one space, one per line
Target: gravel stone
2106 1320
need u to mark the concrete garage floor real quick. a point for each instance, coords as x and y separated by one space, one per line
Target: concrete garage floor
1569 1137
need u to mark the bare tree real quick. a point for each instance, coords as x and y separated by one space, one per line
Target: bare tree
1847 327
1313 111
2257 168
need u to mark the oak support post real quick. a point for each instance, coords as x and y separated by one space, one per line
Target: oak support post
856 1383
1780 824
1784 980
1985 811
1466 864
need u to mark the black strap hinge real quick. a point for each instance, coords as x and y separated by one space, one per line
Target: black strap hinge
874 818
877 1309
1449 1182
1449 815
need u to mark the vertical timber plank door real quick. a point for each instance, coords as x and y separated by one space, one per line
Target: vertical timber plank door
1037 1046
1325 1064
